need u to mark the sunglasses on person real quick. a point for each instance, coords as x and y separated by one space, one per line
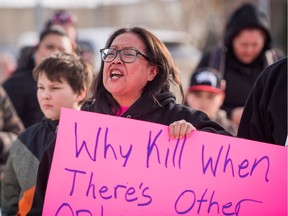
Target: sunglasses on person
127 55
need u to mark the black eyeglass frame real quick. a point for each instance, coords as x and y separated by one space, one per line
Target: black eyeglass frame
119 51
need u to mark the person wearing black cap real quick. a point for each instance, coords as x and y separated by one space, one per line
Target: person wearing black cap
206 93
245 51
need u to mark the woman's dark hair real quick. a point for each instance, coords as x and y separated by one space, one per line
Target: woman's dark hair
55 30
158 55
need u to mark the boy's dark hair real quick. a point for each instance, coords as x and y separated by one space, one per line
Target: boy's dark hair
70 67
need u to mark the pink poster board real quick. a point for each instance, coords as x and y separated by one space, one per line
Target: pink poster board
106 165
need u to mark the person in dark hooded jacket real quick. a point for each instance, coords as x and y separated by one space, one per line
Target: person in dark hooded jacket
134 82
245 51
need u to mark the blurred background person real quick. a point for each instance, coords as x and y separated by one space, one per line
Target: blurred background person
58 19
245 51
67 21
10 127
7 66
21 87
206 93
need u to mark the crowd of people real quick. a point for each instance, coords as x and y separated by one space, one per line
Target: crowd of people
237 89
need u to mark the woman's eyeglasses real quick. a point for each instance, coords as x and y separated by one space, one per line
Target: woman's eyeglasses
127 55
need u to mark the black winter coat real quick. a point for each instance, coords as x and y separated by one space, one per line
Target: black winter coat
22 90
265 114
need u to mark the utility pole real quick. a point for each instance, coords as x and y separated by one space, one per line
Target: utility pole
38 15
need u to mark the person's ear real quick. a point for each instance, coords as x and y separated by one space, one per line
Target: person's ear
223 96
81 95
223 85
153 72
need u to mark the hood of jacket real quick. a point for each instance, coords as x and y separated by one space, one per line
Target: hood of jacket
247 16
144 106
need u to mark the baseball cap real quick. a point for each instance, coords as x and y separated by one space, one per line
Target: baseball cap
206 79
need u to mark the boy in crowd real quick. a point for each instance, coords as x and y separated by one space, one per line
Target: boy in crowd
62 81
206 93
